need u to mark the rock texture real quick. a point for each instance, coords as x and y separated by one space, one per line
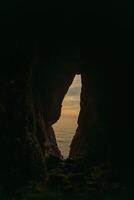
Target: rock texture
30 103
103 134
105 69
37 71
90 139
58 81
34 79
22 155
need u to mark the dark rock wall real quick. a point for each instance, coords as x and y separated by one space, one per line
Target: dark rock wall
106 68
20 150
103 133
91 136
51 85
39 65
31 100
33 83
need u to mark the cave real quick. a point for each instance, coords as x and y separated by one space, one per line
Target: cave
32 153
37 71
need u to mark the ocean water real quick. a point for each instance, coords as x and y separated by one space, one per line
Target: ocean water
66 126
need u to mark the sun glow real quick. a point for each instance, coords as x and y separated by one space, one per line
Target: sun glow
66 126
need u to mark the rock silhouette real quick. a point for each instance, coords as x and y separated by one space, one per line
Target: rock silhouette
38 68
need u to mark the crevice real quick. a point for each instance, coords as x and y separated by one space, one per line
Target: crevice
66 126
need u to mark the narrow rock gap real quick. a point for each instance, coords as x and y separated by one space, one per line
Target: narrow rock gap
66 126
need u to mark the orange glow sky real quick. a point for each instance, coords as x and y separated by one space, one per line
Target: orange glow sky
67 124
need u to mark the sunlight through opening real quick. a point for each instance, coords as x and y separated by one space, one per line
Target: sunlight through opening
66 126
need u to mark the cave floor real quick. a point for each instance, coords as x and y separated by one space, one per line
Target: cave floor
74 180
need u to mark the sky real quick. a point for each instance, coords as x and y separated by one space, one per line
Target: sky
66 126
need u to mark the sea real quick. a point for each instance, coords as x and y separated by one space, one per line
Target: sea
66 126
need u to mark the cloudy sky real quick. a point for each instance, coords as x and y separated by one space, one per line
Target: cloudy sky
67 124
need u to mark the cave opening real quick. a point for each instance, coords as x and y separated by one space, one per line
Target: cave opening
66 126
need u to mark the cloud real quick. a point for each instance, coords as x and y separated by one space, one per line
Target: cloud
73 95
74 91
71 102
70 107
